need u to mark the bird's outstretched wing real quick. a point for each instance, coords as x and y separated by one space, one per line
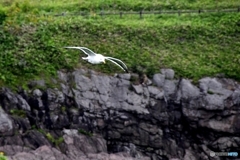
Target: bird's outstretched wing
118 60
115 60
85 50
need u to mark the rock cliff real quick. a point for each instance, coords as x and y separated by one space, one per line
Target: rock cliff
92 116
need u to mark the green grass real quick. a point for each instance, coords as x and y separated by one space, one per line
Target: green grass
124 5
31 45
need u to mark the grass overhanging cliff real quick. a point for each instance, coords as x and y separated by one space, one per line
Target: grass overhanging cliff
194 45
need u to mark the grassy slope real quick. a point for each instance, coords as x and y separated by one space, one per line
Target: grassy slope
126 5
193 45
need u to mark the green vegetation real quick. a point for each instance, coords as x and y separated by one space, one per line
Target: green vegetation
210 92
2 157
123 5
31 44
63 109
82 131
55 141
18 112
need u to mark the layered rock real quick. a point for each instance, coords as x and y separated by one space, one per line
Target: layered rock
95 116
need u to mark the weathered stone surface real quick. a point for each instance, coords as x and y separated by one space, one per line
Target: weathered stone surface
207 83
77 147
169 87
189 155
169 73
22 103
224 143
97 143
235 97
156 92
34 139
43 152
224 125
187 90
11 150
5 122
212 85
83 83
37 93
95 116
126 76
138 89
37 83
102 84
62 76
158 79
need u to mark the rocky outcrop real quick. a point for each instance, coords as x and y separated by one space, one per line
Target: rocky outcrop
95 116
77 146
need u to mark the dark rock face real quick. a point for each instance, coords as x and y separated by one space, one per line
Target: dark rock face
6 124
101 117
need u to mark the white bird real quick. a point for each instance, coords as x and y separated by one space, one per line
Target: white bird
95 58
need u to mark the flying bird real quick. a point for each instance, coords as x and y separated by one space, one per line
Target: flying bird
95 58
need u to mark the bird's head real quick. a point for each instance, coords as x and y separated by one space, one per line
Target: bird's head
102 59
